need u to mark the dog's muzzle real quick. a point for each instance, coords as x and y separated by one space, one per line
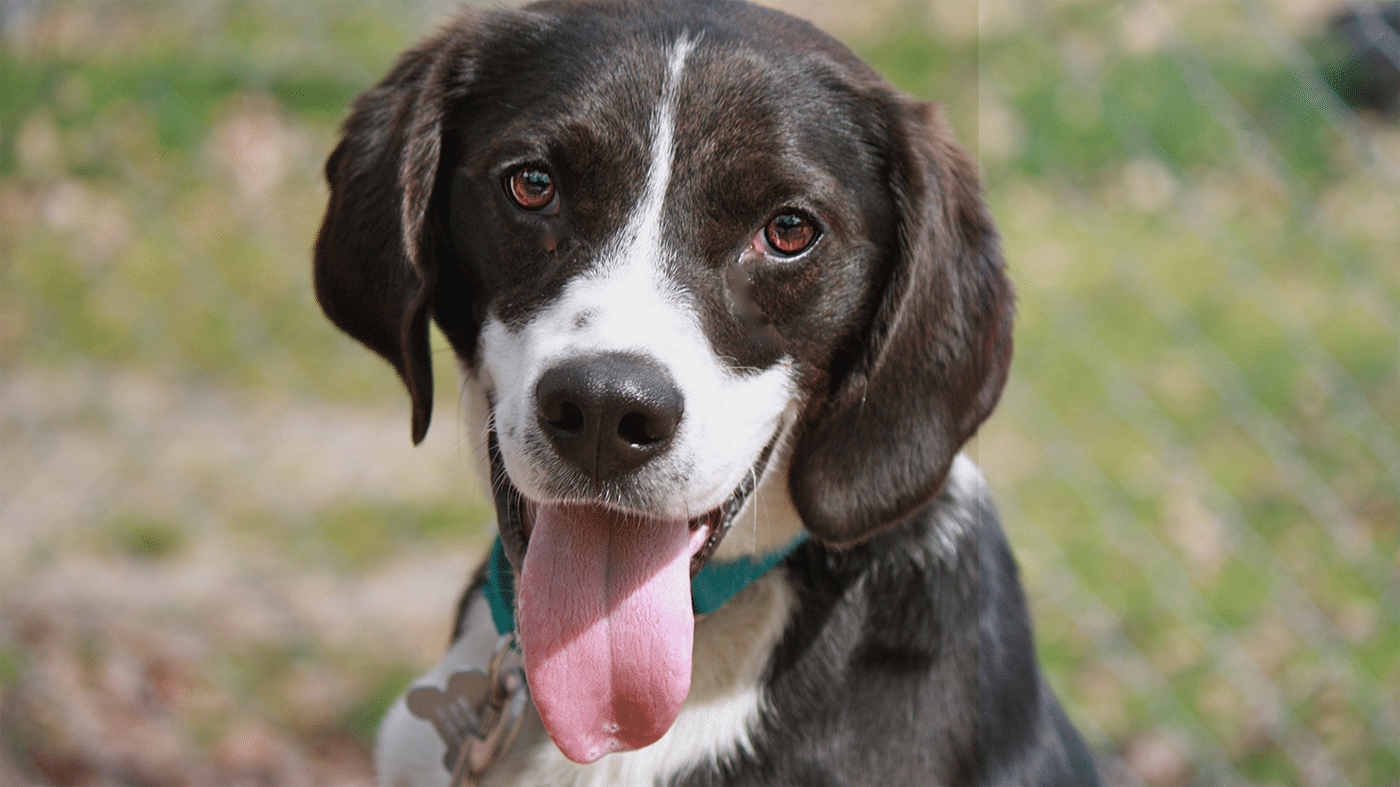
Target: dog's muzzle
603 603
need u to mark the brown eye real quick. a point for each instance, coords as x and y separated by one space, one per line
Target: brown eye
531 188
790 234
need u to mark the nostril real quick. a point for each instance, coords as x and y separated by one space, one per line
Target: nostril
634 428
566 418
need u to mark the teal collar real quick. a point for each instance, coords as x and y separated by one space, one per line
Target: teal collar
716 583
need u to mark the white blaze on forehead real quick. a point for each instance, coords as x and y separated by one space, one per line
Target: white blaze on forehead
642 236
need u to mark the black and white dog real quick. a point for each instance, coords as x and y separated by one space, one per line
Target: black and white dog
714 286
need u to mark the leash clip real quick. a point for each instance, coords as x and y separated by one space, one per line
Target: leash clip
479 713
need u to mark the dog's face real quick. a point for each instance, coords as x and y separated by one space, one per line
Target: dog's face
684 251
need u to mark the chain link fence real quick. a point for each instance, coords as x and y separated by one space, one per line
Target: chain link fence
220 558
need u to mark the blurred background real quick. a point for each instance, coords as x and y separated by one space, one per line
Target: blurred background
220 557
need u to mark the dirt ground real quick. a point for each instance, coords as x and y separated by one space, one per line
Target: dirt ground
203 646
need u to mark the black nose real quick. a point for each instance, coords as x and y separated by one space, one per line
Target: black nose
608 414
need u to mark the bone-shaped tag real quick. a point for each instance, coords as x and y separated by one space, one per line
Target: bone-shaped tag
478 714
457 712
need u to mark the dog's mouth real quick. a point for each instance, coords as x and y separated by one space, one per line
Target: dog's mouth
516 513
603 609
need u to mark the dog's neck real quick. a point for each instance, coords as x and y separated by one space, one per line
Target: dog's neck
732 648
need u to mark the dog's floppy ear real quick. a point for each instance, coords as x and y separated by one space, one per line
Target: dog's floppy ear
936 353
374 269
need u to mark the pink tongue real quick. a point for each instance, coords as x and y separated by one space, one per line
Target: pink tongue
606 626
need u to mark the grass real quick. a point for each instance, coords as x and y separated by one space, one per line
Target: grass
1196 455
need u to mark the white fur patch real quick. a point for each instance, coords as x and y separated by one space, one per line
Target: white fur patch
645 241
965 487
769 520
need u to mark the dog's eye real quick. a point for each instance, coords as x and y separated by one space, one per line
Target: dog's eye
790 234
531 188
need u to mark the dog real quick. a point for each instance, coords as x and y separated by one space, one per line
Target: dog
726 307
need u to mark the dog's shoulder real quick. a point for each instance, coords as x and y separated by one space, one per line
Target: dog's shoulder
915 643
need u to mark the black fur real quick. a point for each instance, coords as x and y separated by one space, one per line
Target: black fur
910 661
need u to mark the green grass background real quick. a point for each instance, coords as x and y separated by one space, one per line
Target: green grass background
1196 456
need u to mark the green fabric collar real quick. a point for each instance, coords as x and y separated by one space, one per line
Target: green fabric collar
716 583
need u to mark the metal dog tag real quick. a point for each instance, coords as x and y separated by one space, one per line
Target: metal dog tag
478 714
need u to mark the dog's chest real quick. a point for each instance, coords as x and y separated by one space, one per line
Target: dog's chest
732 648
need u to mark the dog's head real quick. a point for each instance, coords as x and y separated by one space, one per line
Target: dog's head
683 251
